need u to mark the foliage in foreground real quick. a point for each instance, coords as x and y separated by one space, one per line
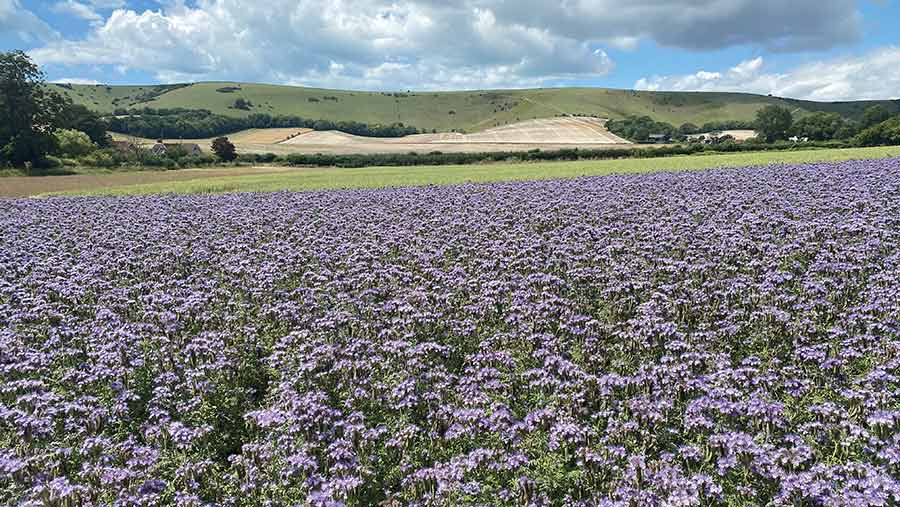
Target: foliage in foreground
29 113
718 338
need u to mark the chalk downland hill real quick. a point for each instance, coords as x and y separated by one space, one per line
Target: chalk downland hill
469 111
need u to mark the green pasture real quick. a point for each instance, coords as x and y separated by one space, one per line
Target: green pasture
378 177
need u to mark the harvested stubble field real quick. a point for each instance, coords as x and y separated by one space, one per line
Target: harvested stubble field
254 137
547 134
728 337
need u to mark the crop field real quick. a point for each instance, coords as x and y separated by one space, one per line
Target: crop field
268 179
569 130
270 136
547 134
725 337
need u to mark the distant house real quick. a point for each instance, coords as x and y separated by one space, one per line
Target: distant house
718 137
190 149
658 138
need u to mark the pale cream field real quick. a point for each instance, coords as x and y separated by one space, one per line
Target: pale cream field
545 134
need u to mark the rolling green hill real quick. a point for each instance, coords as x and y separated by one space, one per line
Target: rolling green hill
444 111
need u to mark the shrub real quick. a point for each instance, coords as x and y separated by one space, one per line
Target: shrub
885 133
100 159
224 149
72 143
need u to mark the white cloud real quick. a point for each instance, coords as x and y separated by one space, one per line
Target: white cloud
77 9
393 44
871 76
374 44
76 80
23 24
107 4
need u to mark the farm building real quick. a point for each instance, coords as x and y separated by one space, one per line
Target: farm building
738 136
658 138
191 149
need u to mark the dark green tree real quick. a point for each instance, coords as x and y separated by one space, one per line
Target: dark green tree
774 123
79 117
688 129
884 133
29 111
819 126
224 149
874 115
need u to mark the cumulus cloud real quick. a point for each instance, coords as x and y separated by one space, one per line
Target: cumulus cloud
375 44
775 25
870 76
430 43
22 24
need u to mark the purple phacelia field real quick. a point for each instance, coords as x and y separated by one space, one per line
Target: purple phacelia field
730 337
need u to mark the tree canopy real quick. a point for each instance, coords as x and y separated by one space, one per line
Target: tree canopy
29 112
224 149
874 115
823 127
885 133
774 123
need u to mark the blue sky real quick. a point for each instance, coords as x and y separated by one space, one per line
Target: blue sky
814 49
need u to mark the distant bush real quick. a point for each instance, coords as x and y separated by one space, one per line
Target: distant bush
640 128
886 133
198 160
224 149
100 158
72 143
718 126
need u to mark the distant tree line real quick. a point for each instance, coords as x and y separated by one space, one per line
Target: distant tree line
776 123
181 123
640 128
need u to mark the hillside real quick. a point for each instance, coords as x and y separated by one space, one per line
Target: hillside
445 111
